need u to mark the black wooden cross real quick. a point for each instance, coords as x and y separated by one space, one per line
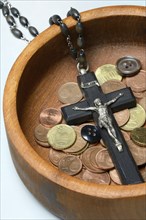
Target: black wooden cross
123 161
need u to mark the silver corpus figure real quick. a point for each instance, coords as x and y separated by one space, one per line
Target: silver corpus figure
104 119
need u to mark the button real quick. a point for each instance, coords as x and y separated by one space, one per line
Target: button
128 66
91 134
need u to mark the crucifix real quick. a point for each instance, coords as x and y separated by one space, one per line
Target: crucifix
111 135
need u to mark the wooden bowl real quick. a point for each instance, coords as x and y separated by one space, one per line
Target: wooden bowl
32 85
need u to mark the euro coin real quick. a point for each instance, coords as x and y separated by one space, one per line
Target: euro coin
138 135
137 118
69 93
61 136
107 72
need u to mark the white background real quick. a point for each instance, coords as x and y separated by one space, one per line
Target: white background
17 202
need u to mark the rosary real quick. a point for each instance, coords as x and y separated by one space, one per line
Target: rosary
112 149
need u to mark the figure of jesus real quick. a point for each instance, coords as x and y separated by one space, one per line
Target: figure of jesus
104 119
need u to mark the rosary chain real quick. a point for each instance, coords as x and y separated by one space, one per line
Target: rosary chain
9 13
78 55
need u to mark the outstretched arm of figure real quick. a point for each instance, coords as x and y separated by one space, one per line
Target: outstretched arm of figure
115 99
84 109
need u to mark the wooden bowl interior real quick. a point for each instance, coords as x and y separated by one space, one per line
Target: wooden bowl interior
107 39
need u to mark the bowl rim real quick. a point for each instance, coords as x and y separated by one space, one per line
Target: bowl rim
16 135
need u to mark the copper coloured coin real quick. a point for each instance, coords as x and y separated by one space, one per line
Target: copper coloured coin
40 133
50 117
143 172
70 164
100 178
114 176
79 144
55 156
86 160
93 157
42 144
69 93
137 82
142 102
103 160
138 153
126 136
112 85
122 117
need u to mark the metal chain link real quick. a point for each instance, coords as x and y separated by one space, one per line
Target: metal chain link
9 15
78 55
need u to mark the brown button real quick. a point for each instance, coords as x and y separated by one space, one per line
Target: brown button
128 66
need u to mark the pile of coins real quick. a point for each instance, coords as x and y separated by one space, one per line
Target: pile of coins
72 153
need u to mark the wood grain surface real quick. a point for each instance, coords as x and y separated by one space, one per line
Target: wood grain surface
32 85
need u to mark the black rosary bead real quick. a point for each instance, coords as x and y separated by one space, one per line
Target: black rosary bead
1 5
33 31
82 59
79 28
17 33
56 19
5 11
68 14
15 12
80 41
74 13
73 52
10 20
23 21
51 21
64 29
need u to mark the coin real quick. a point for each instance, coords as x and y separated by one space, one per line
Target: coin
40 133
81 151
42 144
93 155
138 135
114 176
112 85
143 172
70 164
137 82
86 159
61 136
103 160
100 178
137 118
139 153
126 136
69 93
122 117
142 102
50 117
79 144
102 143
138 95
55 156
107 72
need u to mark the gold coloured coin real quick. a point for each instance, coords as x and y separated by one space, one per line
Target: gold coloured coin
138 135
136 120
61 136
69 93
107 72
